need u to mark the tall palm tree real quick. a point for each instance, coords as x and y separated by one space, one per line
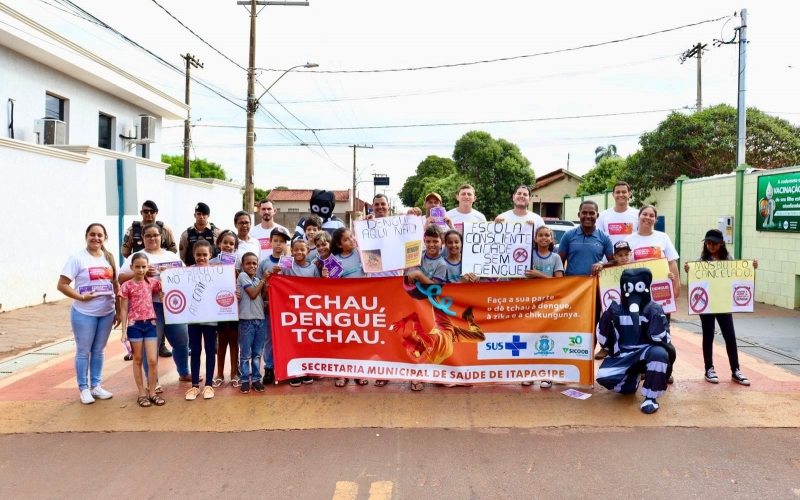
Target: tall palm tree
601 152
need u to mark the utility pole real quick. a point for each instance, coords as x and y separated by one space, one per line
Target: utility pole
741 129
696 51
567 161
252 103
190 62
355 147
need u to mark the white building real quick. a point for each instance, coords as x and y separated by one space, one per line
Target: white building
50 193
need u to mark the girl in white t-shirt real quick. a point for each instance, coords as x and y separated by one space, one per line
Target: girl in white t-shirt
95 311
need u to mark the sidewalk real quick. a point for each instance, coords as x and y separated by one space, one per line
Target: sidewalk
23 329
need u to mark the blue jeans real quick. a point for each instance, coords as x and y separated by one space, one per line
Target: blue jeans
251 343
201 336
178 337
142 330
91 336
269 360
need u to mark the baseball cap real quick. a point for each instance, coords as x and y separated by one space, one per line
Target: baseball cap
202 208
621 245
280 232
714 235
435 195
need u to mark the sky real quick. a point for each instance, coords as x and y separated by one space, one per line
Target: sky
642 76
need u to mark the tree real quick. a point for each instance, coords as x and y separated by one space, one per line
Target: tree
446 187
495 167
601 152
704 143
198 168
603 176
430 169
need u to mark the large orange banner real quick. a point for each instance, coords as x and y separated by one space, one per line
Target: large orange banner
383 328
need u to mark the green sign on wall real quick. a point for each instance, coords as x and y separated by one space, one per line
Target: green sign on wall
778 202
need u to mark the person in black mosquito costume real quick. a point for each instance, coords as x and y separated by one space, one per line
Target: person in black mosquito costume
636 335
321 204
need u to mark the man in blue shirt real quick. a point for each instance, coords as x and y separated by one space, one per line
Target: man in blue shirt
582 247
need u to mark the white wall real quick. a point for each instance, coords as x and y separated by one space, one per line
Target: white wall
27 81
48 202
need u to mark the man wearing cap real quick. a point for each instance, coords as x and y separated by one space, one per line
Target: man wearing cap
263 232
202 229
133 241
520 213
621 220
431 200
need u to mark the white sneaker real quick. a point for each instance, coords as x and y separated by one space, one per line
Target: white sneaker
86 397
545 384
192 393
208 392
101 393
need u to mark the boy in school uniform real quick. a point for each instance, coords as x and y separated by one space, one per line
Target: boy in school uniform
279 237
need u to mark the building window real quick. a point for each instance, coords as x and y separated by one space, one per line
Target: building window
143 151
293 210
54 107
105 135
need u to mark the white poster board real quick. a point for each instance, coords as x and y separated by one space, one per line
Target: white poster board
200 294
497 249
390 243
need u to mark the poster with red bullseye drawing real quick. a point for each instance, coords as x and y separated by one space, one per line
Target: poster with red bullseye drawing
199 294
721 286
497 249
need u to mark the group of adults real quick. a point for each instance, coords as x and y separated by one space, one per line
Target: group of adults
91 278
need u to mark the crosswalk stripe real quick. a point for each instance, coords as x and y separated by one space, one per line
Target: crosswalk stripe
380 490
345 490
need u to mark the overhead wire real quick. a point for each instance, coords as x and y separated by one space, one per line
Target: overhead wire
512 58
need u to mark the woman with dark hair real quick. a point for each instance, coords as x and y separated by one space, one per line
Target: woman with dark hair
177 335
246 243
647 243
95 308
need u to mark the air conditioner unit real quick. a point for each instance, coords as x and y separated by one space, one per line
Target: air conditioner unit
147 128
50 132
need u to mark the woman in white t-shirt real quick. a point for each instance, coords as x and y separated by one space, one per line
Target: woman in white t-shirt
95 309
177 335
647 243
247 243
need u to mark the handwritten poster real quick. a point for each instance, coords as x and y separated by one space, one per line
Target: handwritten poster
497 249
661 290
200 294
721 286
390 243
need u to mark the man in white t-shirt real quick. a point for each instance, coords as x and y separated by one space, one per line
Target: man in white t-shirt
520 213
464 212
621 220
263 231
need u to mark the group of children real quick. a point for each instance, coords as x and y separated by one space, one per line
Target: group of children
249 339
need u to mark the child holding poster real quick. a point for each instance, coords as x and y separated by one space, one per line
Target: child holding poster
453 241
544 264
343 246
202 335
138 319
278 238
714 249
227 331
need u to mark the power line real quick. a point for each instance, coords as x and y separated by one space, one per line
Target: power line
87 16
512 58
450 124
198 36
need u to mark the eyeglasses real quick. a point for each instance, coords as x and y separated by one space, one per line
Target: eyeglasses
148 212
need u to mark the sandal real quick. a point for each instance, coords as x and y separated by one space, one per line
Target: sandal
158 400
381 383
361 381
143 401
188 378
159 389
417 386
217 382
340 382
235 382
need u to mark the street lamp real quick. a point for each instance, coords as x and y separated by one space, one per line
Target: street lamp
250 156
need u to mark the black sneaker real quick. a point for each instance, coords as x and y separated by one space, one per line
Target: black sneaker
738 376
164 352
711 376
128 357
269 376
307 380
295 382
258 386
245 388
